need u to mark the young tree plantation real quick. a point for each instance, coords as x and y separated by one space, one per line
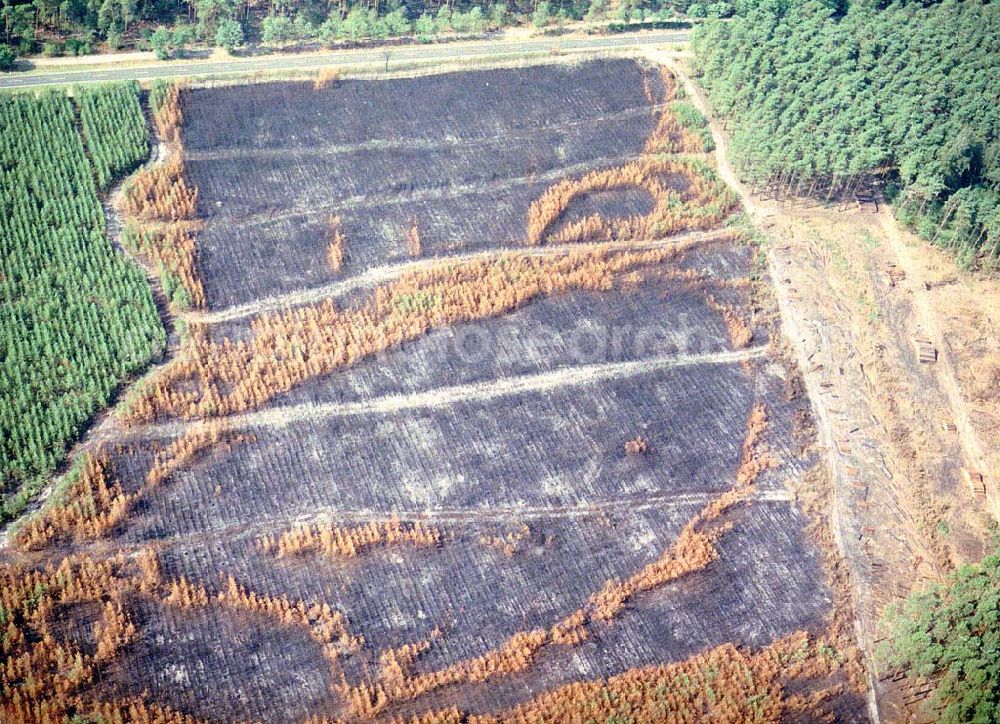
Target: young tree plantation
76 318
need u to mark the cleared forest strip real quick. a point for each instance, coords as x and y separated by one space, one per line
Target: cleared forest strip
379 275
446 396
798 328
411 144
968 436
363 201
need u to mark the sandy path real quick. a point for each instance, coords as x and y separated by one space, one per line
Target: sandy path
382 274
459 518
972 447
447 396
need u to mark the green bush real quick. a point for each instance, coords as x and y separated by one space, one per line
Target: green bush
425 27
443 19
472 21
276 29
114 40
359 24
159 41
304 30
719 10
395 23
183 35
7 57
499 15
950 634
229 35
329 31
687 115
542 15
26 46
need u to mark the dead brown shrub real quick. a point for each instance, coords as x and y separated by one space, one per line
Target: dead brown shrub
172 247
157 199
395 664
647 89
703 204
670 136
723 684
335 249
326 77
182 592
94 506
112 631
516 654
508 543
413 239
739 329
160 193
572 630
42 677
326 626
691 551
168 116
755 457
183 450
336 542
636 446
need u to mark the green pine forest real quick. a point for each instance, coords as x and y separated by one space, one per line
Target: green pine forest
950 633
816 94
76 318
172 27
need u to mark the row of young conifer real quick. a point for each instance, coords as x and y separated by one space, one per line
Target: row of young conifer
114 128
76 318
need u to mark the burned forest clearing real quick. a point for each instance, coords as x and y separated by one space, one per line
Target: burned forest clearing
473 405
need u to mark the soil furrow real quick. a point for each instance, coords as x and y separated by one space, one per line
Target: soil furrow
490 517
409 144
478 187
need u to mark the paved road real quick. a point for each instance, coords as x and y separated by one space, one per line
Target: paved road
397 54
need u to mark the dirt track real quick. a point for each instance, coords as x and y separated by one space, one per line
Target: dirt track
443 397
381 274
